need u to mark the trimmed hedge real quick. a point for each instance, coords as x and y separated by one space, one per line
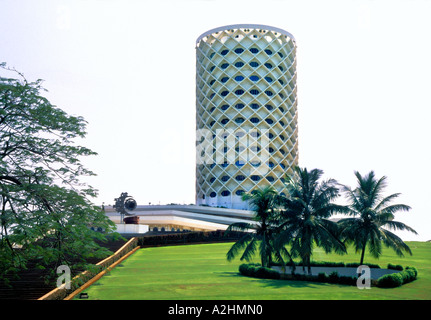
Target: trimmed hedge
387 281
398 279
355 265
255 270
334 277
395 267
189 237
334 264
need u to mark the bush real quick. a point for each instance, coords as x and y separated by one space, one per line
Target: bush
248 269
188 237
352 265
387 281
267 273
395 266
397 279
322 277
255 270
390 281
333 277
410 274
326 264
351 281
355 265
414 270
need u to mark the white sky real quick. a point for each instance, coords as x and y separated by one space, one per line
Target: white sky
128 67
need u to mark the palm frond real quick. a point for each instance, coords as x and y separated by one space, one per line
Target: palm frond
396 225
330 209
375 245
396 243
249 250
327 236
386 201
356 204
285 236
376 192
239 226
238 246
394 208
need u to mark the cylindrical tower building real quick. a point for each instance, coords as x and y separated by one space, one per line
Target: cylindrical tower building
246 112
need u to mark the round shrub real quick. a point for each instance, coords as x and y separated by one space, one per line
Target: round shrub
248 269
397 279
408 276
414 270
390 280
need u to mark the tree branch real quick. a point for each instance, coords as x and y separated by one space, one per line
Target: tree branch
11 179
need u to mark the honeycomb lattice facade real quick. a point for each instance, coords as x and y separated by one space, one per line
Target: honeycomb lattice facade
246 112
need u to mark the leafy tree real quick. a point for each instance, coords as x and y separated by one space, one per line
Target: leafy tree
371 213
264 203
307 208
45 211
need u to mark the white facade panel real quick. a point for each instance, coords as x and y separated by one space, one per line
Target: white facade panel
246 112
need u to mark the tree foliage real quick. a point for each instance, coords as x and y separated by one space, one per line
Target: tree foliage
301 219
307 208
264 203
371 215
45 211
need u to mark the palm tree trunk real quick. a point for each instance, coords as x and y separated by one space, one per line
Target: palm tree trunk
309 265
293 266
363 253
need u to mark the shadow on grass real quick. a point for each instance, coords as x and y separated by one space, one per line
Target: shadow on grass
275 283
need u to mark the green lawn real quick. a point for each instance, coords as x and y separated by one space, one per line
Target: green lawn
201 272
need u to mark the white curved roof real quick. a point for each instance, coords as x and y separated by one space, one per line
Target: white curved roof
243 26
187 215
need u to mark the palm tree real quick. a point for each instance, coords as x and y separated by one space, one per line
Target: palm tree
264 203
307 209
371 212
